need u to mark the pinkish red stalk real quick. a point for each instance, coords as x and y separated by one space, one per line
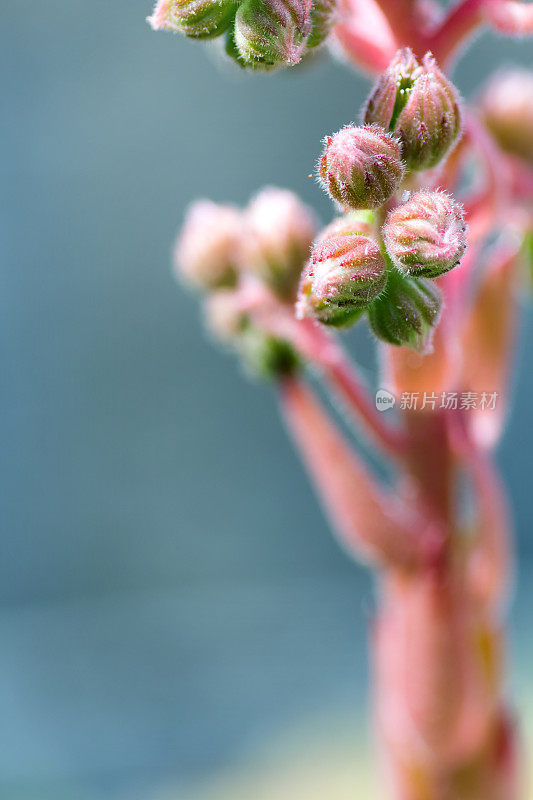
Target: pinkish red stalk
436 278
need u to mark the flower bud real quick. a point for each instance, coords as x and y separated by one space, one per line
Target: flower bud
224 317
507 108
279 233
207 251
361 167
272 33
322 21
406 312
420 106
199 19
266 356
345 273
426 235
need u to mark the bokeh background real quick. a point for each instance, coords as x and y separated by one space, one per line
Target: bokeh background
172 605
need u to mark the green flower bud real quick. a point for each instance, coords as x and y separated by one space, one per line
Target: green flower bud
420 106
426 235
345 273
361 167
198 19
266 356
322 21
272 33
407 312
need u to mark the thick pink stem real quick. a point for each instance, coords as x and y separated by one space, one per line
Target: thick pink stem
370 522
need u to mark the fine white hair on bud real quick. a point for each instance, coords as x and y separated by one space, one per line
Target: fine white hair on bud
207 251
407 312
361 167
279 233
198 19
417 103
345 273
272 33
426 235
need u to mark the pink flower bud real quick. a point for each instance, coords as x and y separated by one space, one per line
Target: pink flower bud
224 317
420 106
207 251
279 233
272 33
345 273
361 167
507 108
199 19
426 235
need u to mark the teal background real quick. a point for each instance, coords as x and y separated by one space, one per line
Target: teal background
169 591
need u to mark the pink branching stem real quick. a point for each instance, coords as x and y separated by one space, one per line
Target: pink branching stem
322 349
364 34
460 23
369 521
482 210
510 16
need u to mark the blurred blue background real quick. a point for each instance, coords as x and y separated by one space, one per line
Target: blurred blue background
169 592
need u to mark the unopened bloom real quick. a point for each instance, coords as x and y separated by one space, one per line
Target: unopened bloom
265 356
199 19
272 33
507 108
426 235
224 317
207 251
322 21
279 233
361 167
406 312
419 105
345 273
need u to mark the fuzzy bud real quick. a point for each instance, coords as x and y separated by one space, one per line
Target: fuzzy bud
507 108
207 251
272 33
407 311
322 20
199 19
361 167
279 233
426 235
420 106
345 273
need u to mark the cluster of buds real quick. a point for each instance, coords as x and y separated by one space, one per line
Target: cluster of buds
236 255
261 34
380 258
356 267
